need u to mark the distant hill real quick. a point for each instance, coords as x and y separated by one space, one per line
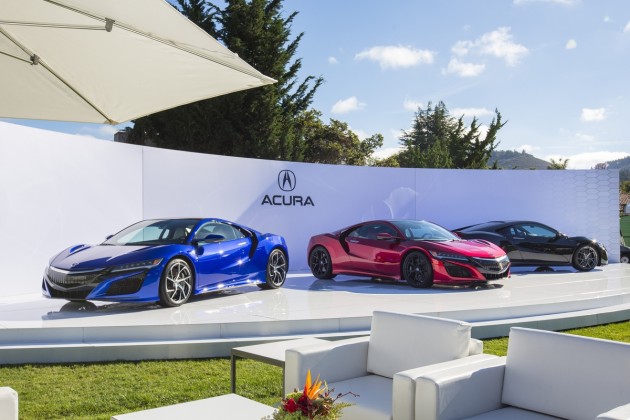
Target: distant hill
624 168
511 159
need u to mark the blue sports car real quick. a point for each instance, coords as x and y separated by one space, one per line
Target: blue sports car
168 261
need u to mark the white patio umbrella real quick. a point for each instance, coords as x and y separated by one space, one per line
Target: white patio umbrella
109 61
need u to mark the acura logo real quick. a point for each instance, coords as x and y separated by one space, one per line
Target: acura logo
286 180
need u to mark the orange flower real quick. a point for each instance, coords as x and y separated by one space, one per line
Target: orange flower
312 390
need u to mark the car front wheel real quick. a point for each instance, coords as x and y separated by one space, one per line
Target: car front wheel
320 264
625 259
585 258
417 270
277 267
176 284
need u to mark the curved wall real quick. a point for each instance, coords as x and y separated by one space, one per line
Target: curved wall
57 190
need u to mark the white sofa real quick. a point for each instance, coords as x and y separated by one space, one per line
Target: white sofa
382 367
8 403
545 375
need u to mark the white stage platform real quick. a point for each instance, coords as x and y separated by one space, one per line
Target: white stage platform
38 330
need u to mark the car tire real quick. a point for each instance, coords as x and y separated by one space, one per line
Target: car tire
276 273
625 259
320 264
585 258
417 271
176 283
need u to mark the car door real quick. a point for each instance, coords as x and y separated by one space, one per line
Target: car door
371 255
222 253
540 244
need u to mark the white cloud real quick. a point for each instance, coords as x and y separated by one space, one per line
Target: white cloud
583 137
528 148
362 135
344 106
497 44
394 57
627 27
590 159
593 114
563 2
463 69
606 19
471 112
332 60
386 152
571 44
108 130
411 105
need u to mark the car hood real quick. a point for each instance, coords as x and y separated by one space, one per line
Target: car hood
470 248
90 257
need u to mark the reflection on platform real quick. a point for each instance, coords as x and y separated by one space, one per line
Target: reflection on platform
209 324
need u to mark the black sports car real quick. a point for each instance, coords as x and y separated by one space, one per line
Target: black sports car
532 243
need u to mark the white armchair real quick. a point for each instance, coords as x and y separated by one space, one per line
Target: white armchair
382 367
545 375
8 403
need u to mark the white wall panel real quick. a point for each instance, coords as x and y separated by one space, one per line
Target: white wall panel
58 190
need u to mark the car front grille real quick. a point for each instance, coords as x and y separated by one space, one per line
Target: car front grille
68 279
493 265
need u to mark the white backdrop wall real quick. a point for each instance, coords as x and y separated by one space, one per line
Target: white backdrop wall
58 190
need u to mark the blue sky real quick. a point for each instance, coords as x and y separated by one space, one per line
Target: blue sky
557 70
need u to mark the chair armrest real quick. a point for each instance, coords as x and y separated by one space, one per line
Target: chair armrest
334 361
618 413
8 403
475 347
404 387
461 391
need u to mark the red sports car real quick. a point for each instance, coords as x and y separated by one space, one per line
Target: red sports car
419 252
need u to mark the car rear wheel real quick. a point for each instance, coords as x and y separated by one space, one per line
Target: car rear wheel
176 284
417 270
320 264
585 258
276 270
625 259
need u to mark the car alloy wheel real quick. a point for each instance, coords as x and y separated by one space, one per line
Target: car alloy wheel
177 283
585 258
417 270
319 262
276 270
625 259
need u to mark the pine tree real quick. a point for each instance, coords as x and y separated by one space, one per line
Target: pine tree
253 123
438 140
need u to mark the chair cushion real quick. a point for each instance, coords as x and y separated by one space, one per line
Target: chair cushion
9 403
404 341
565 375
374 401
511 413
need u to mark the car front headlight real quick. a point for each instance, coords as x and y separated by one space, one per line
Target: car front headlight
440 255
137 265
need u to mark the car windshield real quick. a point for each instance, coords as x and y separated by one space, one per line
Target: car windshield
421 230
154 232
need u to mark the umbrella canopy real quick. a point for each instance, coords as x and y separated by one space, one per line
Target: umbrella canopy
109 61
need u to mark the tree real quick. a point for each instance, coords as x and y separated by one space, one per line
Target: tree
333 143
559 164
438 140
253 123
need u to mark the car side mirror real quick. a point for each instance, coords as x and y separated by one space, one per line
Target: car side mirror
384 236
213 237
108 237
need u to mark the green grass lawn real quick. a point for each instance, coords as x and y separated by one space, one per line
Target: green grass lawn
100 390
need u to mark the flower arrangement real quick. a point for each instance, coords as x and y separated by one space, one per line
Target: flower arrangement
313 402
